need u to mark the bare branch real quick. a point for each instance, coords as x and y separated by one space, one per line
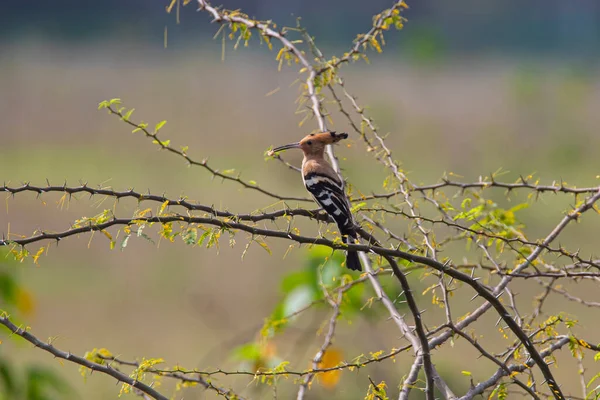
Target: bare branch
519 367
165 145
446 268
105 369
335 304
380 24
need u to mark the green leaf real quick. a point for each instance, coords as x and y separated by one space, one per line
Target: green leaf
276 322
353 301
159 125
190 236
128 115
264 246
124 242
299 298
203 237
519 207
466 203
163 143
295 279
8 289
247 352
358 206
148 238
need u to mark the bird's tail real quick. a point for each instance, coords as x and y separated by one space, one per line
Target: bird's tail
352 260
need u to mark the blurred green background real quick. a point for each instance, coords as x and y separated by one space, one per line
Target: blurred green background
465 88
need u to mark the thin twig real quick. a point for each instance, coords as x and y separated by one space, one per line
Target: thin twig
105 369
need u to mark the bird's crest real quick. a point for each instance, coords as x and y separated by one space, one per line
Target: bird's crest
313 143
325 137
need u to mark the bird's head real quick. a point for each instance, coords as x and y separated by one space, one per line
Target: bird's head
313 144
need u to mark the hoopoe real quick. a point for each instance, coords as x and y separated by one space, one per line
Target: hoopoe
325 186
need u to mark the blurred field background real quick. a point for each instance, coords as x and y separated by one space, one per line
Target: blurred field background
464 88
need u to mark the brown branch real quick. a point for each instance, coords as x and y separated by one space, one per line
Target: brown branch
474 342
490 235
550 288
519 367
420 343
342 366
446 268
311 91
390 163
105 369
553 385
379 25
522 183
179 375
183 202
204 163
497 291
335 304
316 107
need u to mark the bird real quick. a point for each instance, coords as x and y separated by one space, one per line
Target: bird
326 187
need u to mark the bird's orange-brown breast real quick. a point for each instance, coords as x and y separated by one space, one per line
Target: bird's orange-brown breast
320 167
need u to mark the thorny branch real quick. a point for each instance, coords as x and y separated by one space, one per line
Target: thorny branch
105 369
446 268
335 305
165 145
431 251
311 92
379 25
474 342
520 367
485 232
317 112
180 375
389 162
571 216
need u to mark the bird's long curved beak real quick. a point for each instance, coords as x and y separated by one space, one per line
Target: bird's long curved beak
286 146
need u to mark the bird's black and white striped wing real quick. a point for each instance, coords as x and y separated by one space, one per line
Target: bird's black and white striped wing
329 194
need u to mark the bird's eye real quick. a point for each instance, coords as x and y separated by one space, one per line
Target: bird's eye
309 142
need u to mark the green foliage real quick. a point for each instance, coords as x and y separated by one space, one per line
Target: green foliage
488 217
14 298
44 384
500 392
594 391
139 373
33 383
109 103
377 392
301 289
10 388
98 356
305 290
